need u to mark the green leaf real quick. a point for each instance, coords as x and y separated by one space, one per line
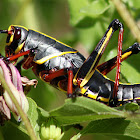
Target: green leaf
95 8
82 110
43 112
33 114
70 120
36 115
130 73
84 13
82 106
131 107
132 3
33 117
75 7
115 127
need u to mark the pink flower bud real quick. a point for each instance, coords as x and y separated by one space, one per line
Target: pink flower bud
13 80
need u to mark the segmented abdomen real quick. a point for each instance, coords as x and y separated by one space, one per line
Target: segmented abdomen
128 92
100 88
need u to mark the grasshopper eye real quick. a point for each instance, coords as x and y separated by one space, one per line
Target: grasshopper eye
17 34
14 34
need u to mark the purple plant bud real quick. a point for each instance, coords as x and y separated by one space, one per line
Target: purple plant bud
13 80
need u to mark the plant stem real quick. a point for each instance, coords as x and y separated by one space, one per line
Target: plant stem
20 111
128 19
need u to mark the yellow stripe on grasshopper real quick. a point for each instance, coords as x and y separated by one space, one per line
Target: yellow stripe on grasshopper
11 40
83 90
125 55
105 100
92 96
52 38
91 72
19 48
44 59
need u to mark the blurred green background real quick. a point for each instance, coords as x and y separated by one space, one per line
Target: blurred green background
58 18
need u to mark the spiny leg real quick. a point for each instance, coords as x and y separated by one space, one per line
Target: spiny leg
118 69
15 56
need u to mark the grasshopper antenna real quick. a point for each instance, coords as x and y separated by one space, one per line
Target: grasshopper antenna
3 31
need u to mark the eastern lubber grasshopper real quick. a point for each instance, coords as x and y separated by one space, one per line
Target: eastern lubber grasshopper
66 69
